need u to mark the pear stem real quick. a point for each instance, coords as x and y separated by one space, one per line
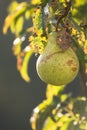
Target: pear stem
67 8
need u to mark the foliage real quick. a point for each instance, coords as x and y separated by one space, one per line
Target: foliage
59 111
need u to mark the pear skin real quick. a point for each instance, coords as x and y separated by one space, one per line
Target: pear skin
55 66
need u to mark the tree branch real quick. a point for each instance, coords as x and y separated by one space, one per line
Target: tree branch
67 8
83 79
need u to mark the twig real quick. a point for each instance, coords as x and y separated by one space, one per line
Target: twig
67 8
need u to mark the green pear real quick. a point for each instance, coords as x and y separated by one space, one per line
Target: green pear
55 66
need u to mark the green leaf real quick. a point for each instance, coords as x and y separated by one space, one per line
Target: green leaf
79 9
38 21
42 112
65 122
29 13
53 90
13 5
80 107
22 63
17 25
37 43
61 124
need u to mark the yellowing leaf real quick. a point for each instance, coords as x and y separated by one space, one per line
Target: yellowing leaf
85 47
19 25
38 22
16 49
37 43
29 13
22 63
12 6
36 1
9 19
17 43
53 90
21 8
12 26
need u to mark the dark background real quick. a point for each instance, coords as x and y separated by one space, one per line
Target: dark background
18 98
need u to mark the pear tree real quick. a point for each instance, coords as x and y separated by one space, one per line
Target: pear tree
57 37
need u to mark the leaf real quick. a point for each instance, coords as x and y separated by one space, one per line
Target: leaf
61 124
43 2
38 21
49 125
80 9
85 47
22 63
65 122
13 5
36 1
53 90
80 107
37 43
17 45
20 9
41 113
17 25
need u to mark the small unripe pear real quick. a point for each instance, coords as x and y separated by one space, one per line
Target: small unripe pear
55 66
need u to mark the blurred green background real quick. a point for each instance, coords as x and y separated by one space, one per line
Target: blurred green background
18 98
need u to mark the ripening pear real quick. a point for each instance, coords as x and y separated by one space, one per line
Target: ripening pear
55 66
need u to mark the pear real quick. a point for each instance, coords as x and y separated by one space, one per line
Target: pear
55 66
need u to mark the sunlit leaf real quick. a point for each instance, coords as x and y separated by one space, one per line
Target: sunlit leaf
17 48
36 1
53 90
43 2
17 43
9 19
22 63
19 25
37 43
80 9
61 124
20 9
12 26
40 113
65 122
63 97
85 47
38 21
49 124
12 6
